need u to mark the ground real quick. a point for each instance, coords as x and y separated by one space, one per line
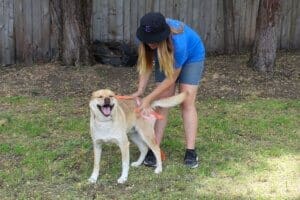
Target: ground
247 142
224 77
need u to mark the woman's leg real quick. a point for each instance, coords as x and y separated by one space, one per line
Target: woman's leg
161 124
189 115
189 80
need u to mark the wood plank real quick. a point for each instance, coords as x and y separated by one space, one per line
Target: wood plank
104 20
209 19
19 30
2 32
296 38
243 24
149 6
112 25
134 21
194 21
28 36
126 21
247 24
168 9
191 8
141 9
237 20
184 12
156 5
119 20
9 43
254 14
162 7
213 28
219 27
45 37
36 30
285 25
293 19
201 21
96 21
176 9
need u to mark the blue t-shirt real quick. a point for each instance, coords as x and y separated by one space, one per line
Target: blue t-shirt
188 46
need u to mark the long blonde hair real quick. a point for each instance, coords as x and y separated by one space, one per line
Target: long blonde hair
165 54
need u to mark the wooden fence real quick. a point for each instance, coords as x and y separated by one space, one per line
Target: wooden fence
25 25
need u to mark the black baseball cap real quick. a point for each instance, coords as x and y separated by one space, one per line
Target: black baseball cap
153 28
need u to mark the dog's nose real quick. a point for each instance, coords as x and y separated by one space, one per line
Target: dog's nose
106 100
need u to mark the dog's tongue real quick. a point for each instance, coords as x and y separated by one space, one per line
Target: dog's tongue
106 110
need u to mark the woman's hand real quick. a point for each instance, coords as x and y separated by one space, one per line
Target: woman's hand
136 94
145 107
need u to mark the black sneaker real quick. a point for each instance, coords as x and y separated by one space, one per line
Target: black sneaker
191 158
150 159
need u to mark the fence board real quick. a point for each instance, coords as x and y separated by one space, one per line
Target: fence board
96 21
6 32
219 28
2 32
286 17
28 38
46 24
19 30
126 23
133 20
296 38
183 9
119 20
36 30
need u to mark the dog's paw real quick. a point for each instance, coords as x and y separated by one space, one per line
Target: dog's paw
135 164
92 180
122 180
158 170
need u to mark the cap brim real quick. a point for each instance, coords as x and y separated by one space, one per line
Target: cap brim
151 37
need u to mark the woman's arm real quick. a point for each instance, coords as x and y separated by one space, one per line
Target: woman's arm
143 80
164 85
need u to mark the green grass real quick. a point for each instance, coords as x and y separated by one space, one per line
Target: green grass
249 149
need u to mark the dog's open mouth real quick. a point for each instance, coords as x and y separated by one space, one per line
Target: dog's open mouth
105 109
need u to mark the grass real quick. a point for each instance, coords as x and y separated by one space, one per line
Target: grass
249 149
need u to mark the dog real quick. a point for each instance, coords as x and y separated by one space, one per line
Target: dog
113 119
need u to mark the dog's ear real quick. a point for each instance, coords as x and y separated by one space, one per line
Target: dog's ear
94 94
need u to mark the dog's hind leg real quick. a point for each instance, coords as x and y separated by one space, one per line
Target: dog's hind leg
156 150
136 139
148 136
124 146
97 155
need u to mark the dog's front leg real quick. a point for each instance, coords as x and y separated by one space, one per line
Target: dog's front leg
124 146
97 155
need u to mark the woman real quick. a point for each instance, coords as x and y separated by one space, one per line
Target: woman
177 53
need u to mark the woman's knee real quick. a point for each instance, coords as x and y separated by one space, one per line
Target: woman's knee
188 106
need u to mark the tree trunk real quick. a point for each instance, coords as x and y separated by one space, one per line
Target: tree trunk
71 22
263 53
229 33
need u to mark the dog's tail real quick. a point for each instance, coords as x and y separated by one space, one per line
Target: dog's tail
170 101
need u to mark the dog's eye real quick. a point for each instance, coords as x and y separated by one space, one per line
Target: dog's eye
100 96
111 96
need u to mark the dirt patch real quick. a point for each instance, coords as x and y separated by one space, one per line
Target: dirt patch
225 77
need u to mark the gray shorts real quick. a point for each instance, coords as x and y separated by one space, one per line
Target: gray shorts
191 73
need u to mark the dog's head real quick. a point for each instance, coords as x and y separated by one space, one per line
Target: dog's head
103 102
